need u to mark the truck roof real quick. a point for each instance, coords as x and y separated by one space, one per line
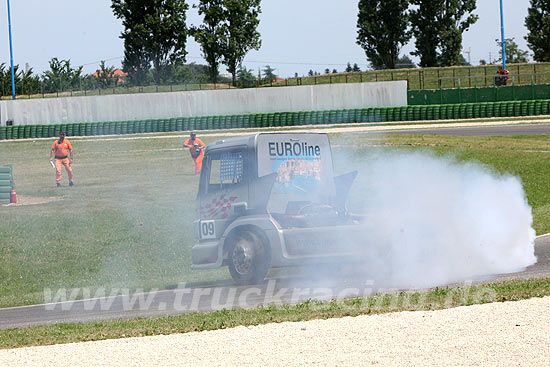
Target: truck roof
247 140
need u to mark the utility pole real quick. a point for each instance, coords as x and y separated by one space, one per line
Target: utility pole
11 55
469 52
502 37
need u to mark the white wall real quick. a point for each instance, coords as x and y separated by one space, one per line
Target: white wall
201 103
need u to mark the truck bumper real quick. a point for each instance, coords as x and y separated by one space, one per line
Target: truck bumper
207 255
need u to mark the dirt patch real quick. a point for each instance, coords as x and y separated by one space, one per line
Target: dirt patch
32 200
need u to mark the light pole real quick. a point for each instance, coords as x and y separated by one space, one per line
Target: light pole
502 37
11 55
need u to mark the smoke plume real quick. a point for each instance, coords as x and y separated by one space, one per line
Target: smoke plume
433 220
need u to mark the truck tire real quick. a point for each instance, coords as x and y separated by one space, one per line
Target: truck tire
248 259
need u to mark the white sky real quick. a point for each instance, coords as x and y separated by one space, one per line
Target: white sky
297 35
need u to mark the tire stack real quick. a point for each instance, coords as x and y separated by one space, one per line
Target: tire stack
6 184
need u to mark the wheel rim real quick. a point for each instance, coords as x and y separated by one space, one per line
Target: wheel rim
243 255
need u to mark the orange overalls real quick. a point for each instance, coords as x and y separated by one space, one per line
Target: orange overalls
196 154
61 151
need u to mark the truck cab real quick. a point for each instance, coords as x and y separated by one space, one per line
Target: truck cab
271 200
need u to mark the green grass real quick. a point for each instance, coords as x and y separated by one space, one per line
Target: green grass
127 222
438 298
428 78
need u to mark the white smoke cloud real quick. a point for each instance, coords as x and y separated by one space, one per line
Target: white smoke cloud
433 220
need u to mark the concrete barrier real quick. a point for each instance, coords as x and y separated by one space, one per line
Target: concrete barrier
203 103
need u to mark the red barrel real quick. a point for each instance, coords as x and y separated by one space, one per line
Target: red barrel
13 196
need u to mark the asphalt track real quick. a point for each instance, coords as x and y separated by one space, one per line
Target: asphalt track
523 129
277 290
214 296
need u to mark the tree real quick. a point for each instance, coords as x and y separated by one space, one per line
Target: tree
105 75
513 53
61 75
437 26
334 71
211 34
457 19
241 36
425 30
245 78
310 72
405 62
356 67
462 61
382 30
327 71
154 31
25 81
538 25
348 68
269 74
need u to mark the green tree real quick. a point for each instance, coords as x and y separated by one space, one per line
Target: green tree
513 53
105 75
269 74
25 81
404 62
61 76
245 78
241 35
348 68
425 30
457 19
154 32
382 30
538 25
437 26
356 67
210 35
327 71
310 72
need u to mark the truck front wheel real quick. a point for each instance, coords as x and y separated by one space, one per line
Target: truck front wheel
248 259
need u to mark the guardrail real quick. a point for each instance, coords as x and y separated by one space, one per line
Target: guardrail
285 119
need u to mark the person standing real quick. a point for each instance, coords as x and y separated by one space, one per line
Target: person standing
196 147
61 149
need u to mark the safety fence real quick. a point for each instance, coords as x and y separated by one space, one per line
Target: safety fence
6 184
284 119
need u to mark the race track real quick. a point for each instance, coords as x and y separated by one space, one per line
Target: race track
523 129
215 296
276 290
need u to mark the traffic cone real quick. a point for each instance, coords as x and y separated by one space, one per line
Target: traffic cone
13 196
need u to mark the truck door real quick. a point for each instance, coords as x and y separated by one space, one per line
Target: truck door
223 186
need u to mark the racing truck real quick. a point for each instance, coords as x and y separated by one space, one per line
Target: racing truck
271 200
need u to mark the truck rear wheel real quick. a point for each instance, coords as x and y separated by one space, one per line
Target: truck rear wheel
248 259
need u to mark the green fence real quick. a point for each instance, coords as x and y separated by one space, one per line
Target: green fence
474 95
282 119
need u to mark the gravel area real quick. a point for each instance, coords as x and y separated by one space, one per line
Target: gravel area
497 334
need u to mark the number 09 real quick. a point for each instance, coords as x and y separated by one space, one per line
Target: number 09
208 229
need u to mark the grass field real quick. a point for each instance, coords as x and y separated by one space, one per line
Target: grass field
127 221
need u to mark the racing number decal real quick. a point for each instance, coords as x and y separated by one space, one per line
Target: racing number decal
208 229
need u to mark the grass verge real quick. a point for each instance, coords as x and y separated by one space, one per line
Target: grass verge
436 299
127 221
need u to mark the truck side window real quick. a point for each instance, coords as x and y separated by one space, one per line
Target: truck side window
226 169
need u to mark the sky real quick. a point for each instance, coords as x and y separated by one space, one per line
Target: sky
297 35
